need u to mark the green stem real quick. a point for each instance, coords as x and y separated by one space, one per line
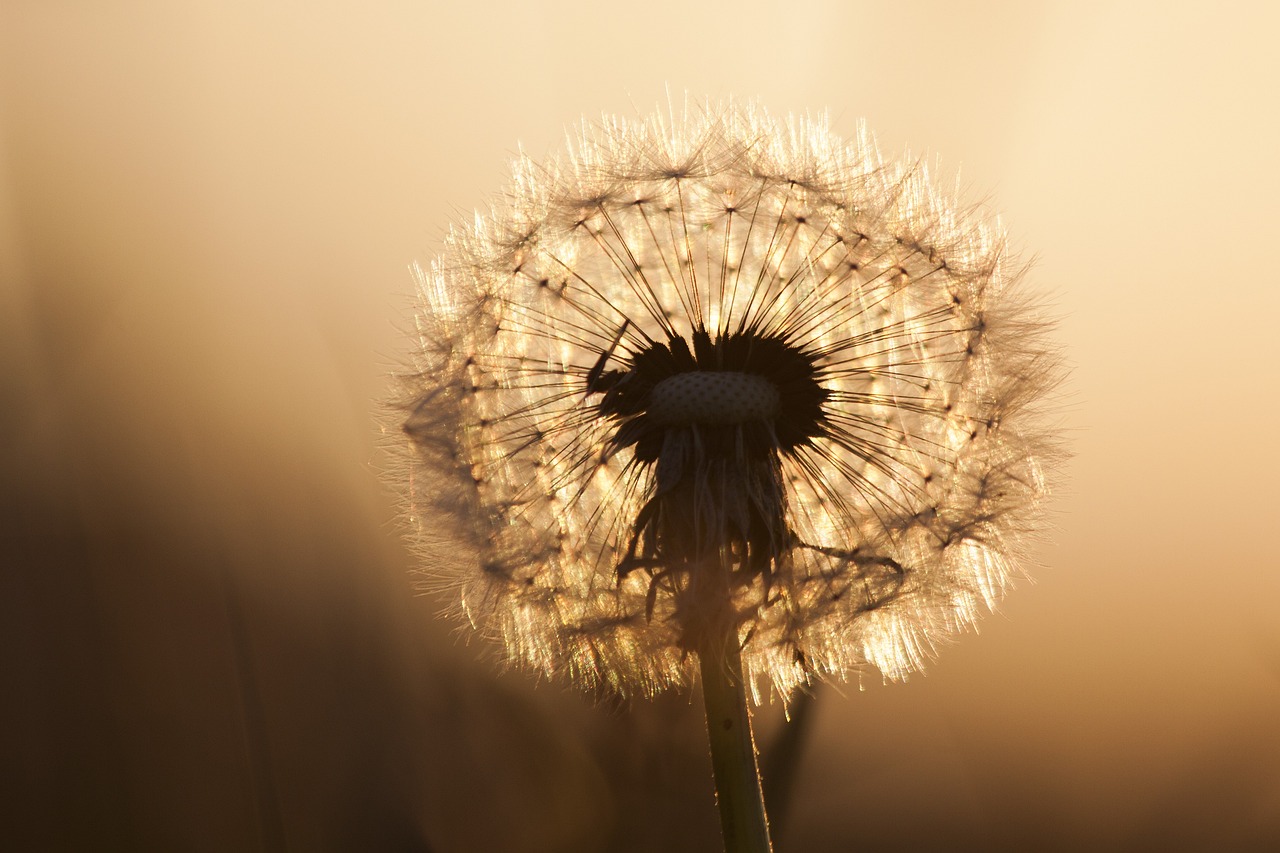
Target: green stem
733 750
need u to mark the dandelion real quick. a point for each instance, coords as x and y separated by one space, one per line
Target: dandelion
725 396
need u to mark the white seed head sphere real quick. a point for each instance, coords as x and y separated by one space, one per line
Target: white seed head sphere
725 373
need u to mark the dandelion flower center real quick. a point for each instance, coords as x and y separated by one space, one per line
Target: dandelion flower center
710 397
750 395
713 417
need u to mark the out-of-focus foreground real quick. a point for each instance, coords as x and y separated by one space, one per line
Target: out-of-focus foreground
208 633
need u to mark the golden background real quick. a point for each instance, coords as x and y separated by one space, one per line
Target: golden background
208 631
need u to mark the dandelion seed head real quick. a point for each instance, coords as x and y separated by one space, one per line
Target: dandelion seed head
726 372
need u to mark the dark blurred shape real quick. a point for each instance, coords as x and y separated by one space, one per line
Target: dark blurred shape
782 763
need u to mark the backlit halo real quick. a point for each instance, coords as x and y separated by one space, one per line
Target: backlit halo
728 344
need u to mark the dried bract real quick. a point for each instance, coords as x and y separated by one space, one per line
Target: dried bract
725 372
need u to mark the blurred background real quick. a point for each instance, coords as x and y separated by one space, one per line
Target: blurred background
209 634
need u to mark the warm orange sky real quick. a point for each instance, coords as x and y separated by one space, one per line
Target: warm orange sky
207 212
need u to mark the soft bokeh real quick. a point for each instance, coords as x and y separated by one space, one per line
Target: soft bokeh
208 629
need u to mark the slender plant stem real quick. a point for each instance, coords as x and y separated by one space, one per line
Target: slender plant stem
733 749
